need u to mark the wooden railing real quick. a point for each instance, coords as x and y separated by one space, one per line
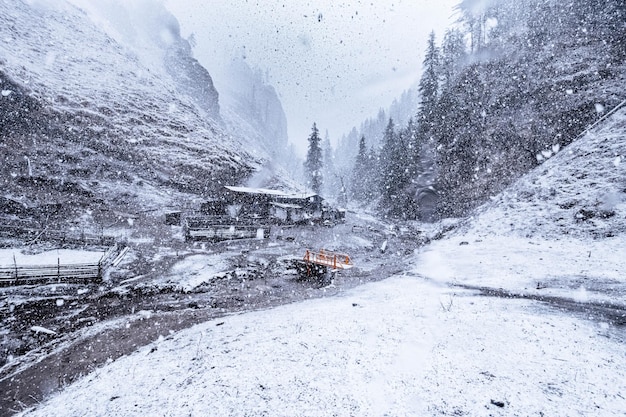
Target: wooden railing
334 260
217 228
60 273
32 234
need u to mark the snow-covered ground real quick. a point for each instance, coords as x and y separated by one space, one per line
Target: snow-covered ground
582 270
10 257
196 270
399 347
421 342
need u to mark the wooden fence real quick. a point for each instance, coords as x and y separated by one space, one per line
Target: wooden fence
217 228
59 273
32 234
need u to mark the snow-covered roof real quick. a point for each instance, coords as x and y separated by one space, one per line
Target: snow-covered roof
266 191
301 196
248 190
287 206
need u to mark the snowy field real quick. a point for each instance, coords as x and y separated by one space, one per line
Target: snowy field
196 270
580 270
10 257
403 346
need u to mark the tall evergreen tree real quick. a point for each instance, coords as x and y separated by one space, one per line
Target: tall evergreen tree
372 175
313 164
474 15
386 176
420 136
452 56
429 84
413 148
332 182
359 174
393 169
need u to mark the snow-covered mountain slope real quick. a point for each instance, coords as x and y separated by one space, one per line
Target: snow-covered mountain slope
82 112
252 106
562 227
147 31
247 108
579 192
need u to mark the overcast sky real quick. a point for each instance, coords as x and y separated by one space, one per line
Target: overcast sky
332 62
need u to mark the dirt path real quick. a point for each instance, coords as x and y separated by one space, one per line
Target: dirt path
614 314
41 379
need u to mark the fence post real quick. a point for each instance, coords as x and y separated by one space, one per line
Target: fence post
15 263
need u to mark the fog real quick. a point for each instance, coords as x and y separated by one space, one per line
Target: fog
333 63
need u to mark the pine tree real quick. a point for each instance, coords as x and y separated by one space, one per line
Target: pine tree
429 84
452 56
372 175
386 164
421 136
360 172
414 148
313 163
393 169
474 15
332 183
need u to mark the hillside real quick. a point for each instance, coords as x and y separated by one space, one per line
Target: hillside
579 193
247 95
510 82
562 227
86 122
247 108
537 79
